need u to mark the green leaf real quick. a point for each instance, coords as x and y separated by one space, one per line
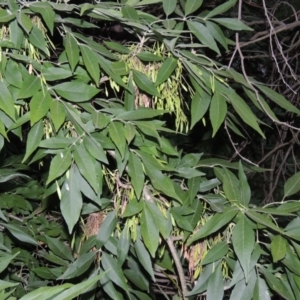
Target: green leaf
31 85
292 185
6 101
24 21
218 10
5 261
72 50
86 165
117 47
149 231
46 290
291 261
169 6
232 23
53 74
203 35
244 111
116 133
58 114
57 142
144 257
261 290
114 271
106 229
100 120
145 83
59 248
76 91
276 285
191 6
19 234
261 219
39 106
71 200
129 132
37 39
243 240
217 252
148 56
59 165
90 62
244 187
130 13
140 114
217 111
34 137
45 9
160 181
163 220
76 290
95 149
215 286
278 99
136 173
6 17
278 248
213 224
78 267
124 244
200 104
147 127
217 33
166 69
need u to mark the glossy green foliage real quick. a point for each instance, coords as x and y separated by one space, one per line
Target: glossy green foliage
98 197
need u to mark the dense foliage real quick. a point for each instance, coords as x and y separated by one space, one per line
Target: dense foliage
120 177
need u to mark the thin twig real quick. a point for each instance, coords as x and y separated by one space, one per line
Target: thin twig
179 268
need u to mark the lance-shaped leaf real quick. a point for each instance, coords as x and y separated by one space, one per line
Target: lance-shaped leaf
217 252
106 229
46 10
243 240
144 257
292 185
76 91
149 231
244 186
278 247
59 165
200 104
215 286
145 83
6 101
166 70
116 133
79 266
71 200
39 106
91 63
114 271
213 224
169 6
31 85
72 50
217 111
203 35
34 137
136 173
58 114
191 6
86 165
